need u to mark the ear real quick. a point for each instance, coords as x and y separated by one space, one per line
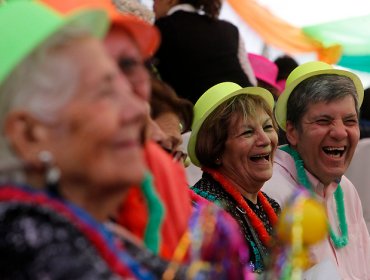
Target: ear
291 134
26 135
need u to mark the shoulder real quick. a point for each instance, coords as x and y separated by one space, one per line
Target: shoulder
43 243
274 204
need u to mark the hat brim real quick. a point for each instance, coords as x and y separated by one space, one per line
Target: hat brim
281 104
94 21
258 91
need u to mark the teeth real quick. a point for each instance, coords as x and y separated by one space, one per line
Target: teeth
334 151
263 156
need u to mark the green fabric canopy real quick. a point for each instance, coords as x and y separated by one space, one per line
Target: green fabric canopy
353 34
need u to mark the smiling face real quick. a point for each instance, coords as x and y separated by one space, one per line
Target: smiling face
97 140
249 150
327 137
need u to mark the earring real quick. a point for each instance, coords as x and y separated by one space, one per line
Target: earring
52 173
218 161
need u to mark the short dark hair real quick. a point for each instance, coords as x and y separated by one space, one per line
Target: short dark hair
365 107
212 135
319 88
286 64
165 100
211 8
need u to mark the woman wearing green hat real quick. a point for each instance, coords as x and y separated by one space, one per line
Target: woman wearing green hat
70 148
233 140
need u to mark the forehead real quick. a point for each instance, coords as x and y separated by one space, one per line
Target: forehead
118 43
345 106
239 120
90 70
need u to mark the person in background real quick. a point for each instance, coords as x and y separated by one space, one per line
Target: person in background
266 73
365 115
198 50
233 140
286 64
173 114
319 112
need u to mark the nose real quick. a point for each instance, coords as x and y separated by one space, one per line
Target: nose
155 133
338 130
263 139
140 82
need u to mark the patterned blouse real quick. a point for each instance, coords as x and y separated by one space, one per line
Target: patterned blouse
211 190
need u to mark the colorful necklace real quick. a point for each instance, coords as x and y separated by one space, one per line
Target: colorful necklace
253 218
338 241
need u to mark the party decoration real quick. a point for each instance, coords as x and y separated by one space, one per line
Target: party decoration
279 33
303 223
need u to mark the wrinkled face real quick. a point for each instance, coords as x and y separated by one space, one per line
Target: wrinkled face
328 138
170 125
126 53
97 139
249 151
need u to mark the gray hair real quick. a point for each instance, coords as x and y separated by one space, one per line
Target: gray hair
320 88
42 84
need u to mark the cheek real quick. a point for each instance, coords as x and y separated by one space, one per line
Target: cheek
90 129
274 139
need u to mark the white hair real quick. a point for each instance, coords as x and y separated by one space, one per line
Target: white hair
41 84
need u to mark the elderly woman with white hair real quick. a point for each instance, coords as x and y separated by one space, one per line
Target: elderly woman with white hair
70 149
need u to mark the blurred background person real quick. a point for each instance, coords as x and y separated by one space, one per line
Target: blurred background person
365 115
173 114
198 50
266 73
286 64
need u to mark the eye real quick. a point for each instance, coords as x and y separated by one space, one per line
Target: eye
268 127
128 65
351 122
247 133
323 121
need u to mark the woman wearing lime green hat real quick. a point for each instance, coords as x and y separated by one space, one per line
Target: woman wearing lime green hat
234 139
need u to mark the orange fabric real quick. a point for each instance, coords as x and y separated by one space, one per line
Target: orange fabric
281 34
146 35
170 183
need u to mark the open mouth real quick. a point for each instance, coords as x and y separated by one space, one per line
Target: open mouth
335 152
261 157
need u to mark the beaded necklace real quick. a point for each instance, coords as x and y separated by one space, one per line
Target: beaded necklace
253 218
338 241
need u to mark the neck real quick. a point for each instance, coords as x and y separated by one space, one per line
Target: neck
242 186
100 202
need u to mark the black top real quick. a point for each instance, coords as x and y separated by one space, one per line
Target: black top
210 189
198 52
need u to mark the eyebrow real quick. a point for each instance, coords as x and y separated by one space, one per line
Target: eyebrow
330 117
